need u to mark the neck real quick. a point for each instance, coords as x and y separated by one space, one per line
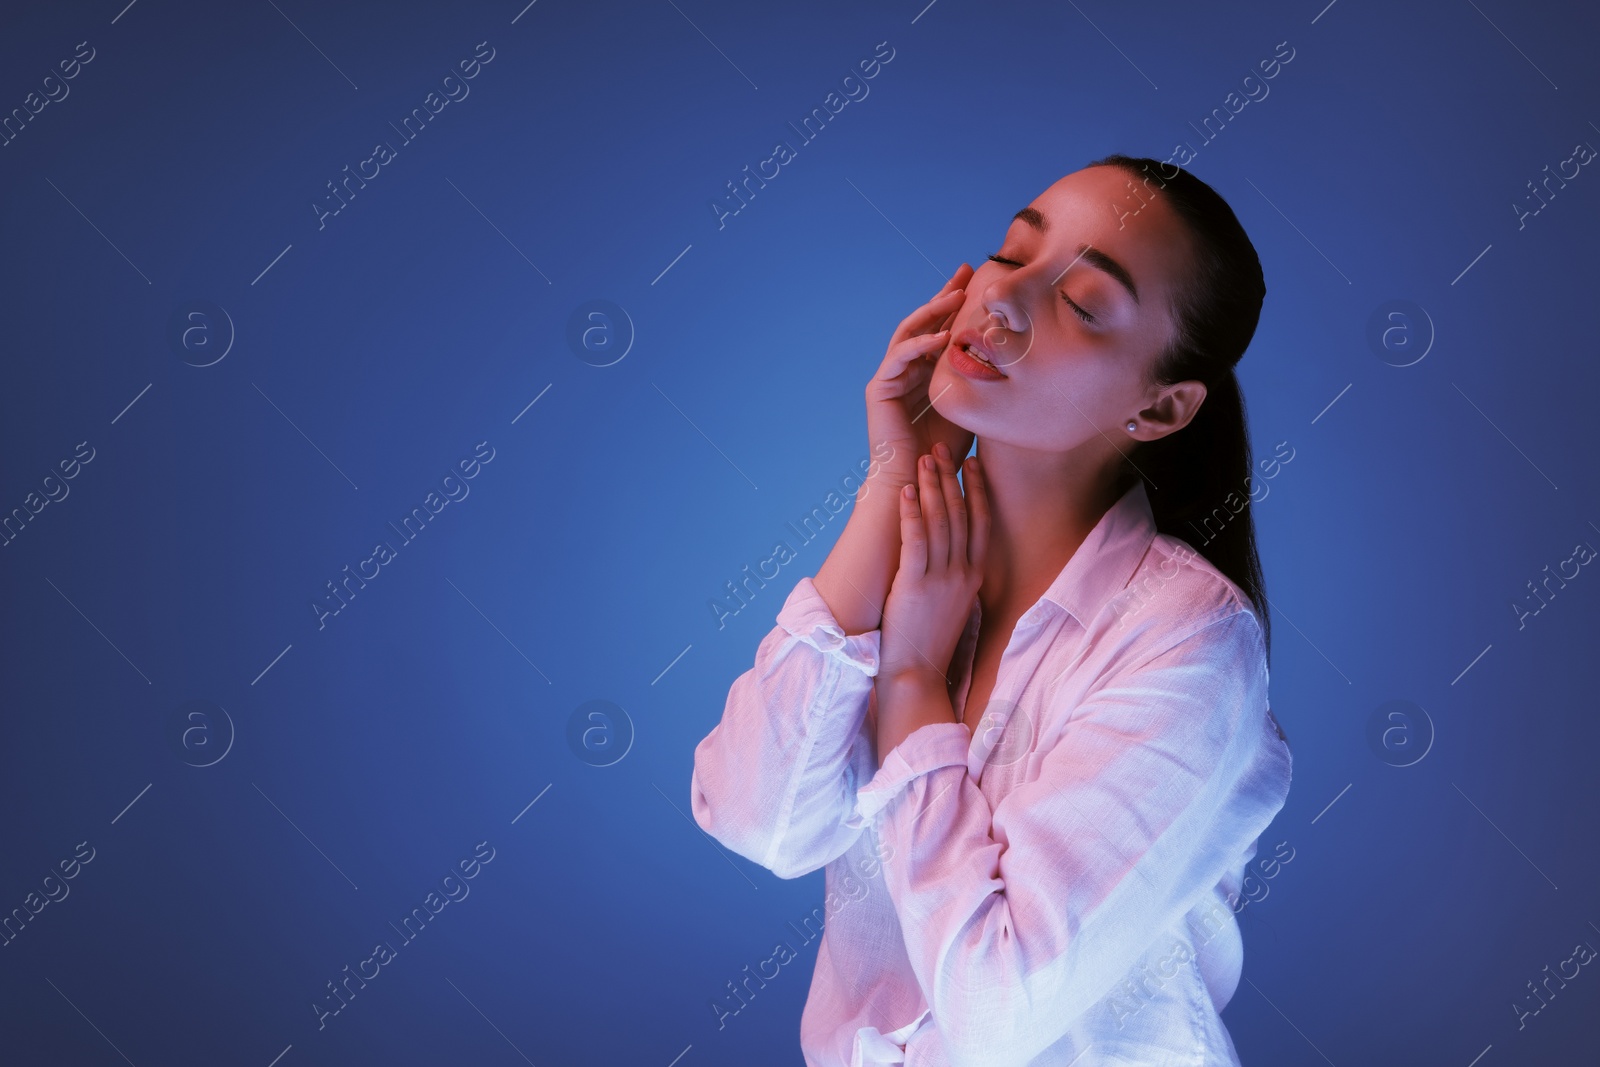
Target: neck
1042 506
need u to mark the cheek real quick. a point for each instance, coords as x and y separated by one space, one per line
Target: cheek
1091 392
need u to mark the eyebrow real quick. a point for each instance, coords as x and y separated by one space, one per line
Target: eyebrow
1093 256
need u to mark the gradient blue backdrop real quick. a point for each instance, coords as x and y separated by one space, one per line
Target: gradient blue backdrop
370 755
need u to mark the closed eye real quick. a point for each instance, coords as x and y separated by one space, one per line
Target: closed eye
1076 310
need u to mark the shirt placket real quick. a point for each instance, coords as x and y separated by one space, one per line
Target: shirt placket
1019 660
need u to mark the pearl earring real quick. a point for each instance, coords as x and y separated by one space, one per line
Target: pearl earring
1132 426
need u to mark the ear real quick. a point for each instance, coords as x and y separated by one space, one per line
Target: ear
1171 410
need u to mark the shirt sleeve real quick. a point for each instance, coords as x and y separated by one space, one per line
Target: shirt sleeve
1019 919
775 780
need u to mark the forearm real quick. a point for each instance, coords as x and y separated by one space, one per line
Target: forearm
855 578
906 701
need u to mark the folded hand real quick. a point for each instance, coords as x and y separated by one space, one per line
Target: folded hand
943 536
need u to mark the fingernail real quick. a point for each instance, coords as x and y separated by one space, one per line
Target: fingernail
941 450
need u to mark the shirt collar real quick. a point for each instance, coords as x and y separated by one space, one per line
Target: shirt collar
1103 564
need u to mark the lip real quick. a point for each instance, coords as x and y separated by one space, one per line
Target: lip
965 364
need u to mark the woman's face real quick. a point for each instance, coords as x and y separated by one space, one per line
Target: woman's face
1070 380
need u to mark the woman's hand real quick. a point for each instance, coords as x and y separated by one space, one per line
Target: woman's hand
943 538
898 409
854 580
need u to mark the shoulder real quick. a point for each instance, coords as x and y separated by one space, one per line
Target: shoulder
1175 596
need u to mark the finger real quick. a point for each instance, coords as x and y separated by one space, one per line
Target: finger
928 317
954 504
913 539
934 516
906 353
956 280
961 277
978 506
907 370
957 284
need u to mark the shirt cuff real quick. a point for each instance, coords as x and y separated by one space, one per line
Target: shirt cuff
806 615
927 748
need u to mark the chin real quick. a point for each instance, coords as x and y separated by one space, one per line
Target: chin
954 411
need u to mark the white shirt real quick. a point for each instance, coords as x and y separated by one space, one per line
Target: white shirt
1055 887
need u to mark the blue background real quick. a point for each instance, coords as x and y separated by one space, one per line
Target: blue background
365 758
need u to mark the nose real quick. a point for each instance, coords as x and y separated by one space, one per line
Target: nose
1009 330
1000 302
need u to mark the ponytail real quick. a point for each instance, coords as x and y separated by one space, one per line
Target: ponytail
1198 479
1199 484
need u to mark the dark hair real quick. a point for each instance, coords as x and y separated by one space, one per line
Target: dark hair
1192 474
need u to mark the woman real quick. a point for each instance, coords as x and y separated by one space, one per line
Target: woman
1025 712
